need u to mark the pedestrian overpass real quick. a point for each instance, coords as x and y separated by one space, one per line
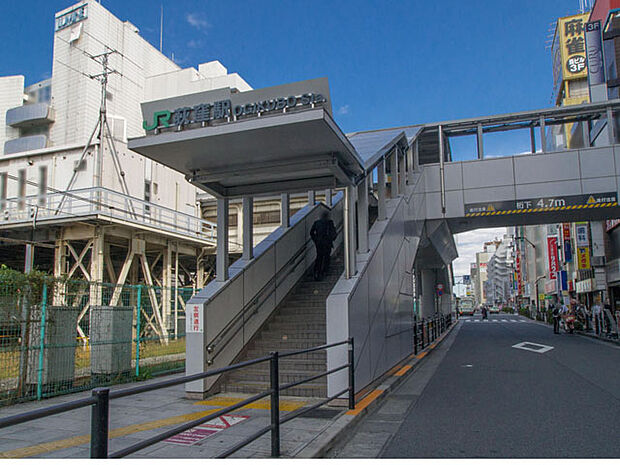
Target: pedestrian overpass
284 139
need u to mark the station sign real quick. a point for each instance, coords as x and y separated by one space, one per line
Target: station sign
542 204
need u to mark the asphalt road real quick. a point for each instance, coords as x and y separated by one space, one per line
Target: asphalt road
478 396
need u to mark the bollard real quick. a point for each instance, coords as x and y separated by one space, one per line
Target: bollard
274 376
351 375
99 419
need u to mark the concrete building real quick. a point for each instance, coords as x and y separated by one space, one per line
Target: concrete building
482 259
75 201
500 269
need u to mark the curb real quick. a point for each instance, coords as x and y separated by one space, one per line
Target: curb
393 378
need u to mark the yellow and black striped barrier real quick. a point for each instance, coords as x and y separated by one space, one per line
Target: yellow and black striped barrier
543 209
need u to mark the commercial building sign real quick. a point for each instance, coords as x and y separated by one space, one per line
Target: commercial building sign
543 204
571 34
70 18
552 252
568 255
581 230
201 114
611 224
583 258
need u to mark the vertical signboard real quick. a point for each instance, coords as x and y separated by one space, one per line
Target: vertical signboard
193 324
552 249
519 286
568 253
581 231
583 258
594 53
573 46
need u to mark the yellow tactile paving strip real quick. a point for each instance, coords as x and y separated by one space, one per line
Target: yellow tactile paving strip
221 402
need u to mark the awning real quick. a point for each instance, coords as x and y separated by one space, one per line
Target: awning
288 152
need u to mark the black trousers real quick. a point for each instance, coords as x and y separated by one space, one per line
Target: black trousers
321 264
556 324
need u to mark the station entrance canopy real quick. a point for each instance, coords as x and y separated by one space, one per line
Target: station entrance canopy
233 144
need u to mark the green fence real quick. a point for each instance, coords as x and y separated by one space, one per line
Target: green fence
59 336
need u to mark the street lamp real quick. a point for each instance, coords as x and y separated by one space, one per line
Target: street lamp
539 277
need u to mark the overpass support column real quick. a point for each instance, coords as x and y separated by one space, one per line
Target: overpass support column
402 171
479 135
442 178
427 309
349 231
610 126
221 259
285 210
328 197
533 139
248 230
410 165
382 211
543 134
311 198
362 215
394 174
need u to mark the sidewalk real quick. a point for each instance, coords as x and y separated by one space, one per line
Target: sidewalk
142 416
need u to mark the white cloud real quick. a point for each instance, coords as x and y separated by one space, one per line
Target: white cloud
343 110
196 20
194 43
471 242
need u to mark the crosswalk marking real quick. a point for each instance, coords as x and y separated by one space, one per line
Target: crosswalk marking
492 321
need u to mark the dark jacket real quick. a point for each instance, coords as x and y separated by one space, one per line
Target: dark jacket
323 233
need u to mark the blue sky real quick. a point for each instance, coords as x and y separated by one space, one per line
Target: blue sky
389 63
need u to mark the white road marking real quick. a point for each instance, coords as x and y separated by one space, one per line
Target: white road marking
533 347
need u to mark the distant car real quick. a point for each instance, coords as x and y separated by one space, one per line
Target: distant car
494 309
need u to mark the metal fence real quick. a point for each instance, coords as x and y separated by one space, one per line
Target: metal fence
61 336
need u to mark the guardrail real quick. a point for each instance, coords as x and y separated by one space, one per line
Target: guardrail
101 201
427 330
100 405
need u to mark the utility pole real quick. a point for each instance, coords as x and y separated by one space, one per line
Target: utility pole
104 135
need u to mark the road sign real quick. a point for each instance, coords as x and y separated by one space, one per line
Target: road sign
542 204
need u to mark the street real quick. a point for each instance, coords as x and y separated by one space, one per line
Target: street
478 396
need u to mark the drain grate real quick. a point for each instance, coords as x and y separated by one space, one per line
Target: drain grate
323 413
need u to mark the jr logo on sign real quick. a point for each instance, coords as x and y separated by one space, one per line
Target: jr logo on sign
160 118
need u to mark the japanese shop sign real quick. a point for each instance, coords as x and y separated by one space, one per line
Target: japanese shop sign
573 46
568 255
583 258
552 249
194 320
70 18
581 230
594 46
611 224
224 111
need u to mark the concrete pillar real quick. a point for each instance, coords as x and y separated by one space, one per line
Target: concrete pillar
285 210
311 198
362 215
221 259
350 245
410 165
427 307
239 210
402 173
166 282
597 232
480 141
96 268
328 197
394 174
381 207
248 229
29 259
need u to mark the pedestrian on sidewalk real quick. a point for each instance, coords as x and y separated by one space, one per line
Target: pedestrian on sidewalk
323 233
596 315
556 318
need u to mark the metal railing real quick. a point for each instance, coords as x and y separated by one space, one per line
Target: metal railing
425 332
100 405
101 201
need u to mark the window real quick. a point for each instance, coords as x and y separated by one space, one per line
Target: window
42 185
147 197
21 189
3 190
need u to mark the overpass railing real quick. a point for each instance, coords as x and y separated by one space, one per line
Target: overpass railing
101 397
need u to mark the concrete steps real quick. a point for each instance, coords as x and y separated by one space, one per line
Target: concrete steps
298 323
